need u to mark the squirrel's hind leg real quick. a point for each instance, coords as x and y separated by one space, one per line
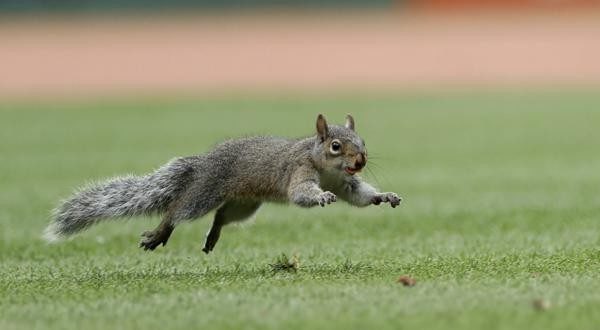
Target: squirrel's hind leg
185 208
231 211
160 235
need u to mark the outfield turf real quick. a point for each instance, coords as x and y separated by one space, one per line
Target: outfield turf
501 208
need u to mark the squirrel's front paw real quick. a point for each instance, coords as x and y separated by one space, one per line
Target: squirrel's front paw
326 197
388 197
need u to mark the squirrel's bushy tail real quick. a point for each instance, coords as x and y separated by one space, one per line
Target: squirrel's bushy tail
119 197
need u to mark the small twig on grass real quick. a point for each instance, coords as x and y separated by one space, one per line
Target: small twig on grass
283 263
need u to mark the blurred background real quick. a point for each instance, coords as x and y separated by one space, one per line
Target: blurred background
483 115
54 48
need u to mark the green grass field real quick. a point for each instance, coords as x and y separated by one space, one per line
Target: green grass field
501 207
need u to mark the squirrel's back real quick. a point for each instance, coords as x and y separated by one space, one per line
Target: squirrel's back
253 167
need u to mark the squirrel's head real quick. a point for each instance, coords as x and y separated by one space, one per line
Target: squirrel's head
339 148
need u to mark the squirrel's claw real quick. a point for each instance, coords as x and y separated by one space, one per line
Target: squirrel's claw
389 197
153 238
394 199
327 197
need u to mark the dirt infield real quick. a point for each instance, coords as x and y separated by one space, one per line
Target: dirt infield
83 56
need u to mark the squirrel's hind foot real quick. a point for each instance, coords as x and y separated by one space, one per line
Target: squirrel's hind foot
153 238
211 239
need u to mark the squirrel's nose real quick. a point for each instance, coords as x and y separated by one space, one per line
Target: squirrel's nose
361 161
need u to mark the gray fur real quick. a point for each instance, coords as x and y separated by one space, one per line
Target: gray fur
238 175
119 197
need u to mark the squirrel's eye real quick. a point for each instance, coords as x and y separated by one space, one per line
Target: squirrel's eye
336 146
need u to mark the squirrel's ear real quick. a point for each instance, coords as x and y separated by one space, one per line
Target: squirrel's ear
322 127
349 122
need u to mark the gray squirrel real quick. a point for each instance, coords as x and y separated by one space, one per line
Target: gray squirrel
236 177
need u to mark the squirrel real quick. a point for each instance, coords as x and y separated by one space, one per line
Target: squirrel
235 178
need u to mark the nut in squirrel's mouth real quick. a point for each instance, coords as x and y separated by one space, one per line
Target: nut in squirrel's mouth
351 170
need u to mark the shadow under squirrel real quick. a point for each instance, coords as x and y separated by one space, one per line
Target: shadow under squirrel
235 177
